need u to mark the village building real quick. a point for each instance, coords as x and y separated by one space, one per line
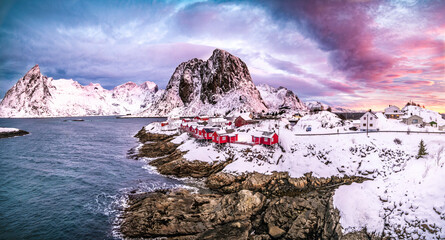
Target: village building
225 136
218 121
185 120
269 138
256 138
244 120
207 133
233 137
412 120
220 137
393 112
204 118
356 123
442 128
369 122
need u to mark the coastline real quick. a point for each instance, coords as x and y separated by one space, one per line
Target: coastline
261 205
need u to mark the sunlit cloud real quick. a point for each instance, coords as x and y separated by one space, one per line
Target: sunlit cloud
357 54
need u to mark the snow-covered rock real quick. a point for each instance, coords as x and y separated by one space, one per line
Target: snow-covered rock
4 130
316 105
323 119
280 98
221 85
36 95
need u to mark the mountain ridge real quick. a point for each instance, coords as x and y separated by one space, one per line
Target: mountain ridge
36 95
220 85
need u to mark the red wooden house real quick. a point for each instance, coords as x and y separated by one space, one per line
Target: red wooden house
256 139
269 138
243 120
208 133
192 128
220 137
185 120
233 137
164 124
204 118
201 133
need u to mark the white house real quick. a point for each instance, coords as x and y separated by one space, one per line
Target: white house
369 122
217 121
393 112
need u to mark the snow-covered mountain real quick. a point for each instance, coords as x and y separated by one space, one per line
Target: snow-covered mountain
276 98
221 85
35 95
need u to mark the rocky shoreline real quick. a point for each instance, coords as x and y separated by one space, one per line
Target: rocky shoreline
13 134
246 206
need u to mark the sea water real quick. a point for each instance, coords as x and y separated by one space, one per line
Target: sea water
69 179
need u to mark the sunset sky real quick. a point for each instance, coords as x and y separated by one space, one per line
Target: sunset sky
356 54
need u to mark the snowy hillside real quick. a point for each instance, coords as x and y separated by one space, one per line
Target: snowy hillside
404 197
320 120
425 114
408 204
221 85
276 98
36 95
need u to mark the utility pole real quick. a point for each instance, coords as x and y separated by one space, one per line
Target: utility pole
367 118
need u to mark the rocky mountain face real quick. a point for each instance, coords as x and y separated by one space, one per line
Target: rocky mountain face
35 95
280 98
220 85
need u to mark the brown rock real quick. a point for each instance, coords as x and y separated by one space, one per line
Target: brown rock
180 213
276 232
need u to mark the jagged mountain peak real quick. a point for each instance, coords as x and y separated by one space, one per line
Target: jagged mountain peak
149 86
33 72
280 98
219 85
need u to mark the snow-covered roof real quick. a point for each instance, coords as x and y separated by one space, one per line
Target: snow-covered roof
210 130
268 134
245 116
410 116
256 133
372 113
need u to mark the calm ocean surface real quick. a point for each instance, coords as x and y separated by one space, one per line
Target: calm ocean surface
68 180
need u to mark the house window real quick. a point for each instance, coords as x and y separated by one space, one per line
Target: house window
364 124
365 118
370 118
370 125
415 121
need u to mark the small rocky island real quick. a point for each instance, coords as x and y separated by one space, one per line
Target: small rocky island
245 206
11 132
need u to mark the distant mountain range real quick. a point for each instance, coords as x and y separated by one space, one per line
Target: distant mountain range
221 85
35 95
